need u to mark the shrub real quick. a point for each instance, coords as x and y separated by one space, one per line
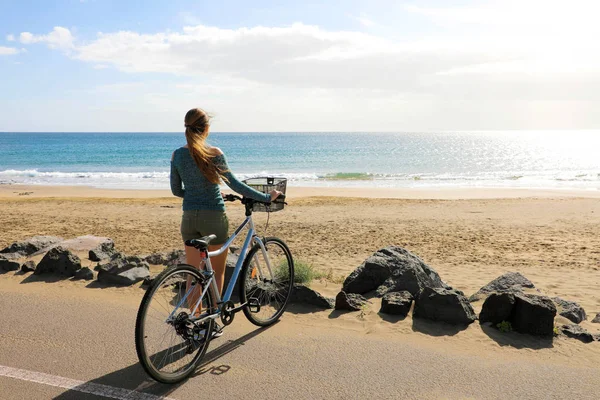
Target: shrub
504 326
305 273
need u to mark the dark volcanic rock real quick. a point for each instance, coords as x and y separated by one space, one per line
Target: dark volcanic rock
105 249
305 295
533 314
445 305
11 256
8 265
31 245
570 310
58 261
123 270
84 273
511 282
175 257
28 266
596 319
80 244
392 269
349 301
232 260
577 332
497 307
396 303
157 259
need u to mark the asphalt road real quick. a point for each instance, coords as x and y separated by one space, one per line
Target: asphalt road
87 344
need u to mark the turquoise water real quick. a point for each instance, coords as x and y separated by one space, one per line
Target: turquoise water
456 159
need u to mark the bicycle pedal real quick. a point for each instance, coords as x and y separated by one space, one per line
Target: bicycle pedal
253 305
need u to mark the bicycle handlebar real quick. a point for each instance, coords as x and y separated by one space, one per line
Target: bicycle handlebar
244 200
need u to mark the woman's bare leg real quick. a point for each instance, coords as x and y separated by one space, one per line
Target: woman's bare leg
218 264
193 258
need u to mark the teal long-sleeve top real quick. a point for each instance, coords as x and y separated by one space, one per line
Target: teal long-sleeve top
198 193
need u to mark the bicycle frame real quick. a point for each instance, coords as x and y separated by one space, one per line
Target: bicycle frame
251 236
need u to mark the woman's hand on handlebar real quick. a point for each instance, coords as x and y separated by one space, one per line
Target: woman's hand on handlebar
275 194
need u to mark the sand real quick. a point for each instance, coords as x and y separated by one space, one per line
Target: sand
469 236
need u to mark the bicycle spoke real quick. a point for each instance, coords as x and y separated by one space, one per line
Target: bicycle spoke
268 281
169 347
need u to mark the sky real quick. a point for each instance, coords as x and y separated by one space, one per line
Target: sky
378 65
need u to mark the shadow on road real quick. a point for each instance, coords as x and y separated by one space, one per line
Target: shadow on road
135 378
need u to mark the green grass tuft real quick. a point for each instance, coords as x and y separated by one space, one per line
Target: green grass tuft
305 273
504 326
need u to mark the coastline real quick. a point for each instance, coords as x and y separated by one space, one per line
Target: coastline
434 193
470 237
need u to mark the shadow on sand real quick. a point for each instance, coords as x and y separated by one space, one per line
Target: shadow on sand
392 318
436 328
296 308
135 378
47 278
518 340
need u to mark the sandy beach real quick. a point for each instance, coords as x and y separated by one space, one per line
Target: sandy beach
469 236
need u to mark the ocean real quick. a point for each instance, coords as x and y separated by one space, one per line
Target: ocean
138 160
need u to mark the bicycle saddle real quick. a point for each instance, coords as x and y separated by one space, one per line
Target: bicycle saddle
202 243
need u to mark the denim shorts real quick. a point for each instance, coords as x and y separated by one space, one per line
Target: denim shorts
198 223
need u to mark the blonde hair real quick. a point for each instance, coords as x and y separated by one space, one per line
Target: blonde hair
197 124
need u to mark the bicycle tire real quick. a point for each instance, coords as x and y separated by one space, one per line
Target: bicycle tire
287 285
140 328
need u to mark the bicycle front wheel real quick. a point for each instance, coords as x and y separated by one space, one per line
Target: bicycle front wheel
169 345
267 279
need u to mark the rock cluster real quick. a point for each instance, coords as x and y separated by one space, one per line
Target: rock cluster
392 269
393 273
123 270
527 313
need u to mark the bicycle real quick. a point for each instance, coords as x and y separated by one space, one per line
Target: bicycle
176 319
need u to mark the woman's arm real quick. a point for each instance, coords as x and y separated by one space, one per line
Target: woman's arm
234 183
176 186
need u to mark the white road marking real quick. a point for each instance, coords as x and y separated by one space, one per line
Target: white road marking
80 386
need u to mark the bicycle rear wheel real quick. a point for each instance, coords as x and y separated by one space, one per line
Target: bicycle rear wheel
168 344
267 278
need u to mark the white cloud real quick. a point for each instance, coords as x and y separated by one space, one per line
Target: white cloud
59 38
10 38
364 20
499 66
297 55
8 51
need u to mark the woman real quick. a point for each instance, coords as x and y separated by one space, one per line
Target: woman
201 168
